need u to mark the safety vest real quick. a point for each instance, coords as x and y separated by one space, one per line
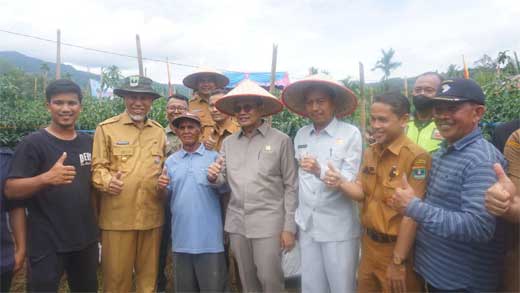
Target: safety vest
428 137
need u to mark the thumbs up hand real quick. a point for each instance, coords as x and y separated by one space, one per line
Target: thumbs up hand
60 174
499 197
116 184
215 168
333 177
402 197
164 180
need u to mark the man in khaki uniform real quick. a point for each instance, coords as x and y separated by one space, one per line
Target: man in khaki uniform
223 127
203 82
128 155
386 246
258 164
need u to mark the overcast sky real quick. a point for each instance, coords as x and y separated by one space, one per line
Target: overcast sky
238 35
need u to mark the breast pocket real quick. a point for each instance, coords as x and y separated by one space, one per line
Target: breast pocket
269 162
122 157
389 187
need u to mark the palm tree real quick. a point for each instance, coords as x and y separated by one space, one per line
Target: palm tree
452 71
386 64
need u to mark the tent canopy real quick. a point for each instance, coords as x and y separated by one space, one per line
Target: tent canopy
262 78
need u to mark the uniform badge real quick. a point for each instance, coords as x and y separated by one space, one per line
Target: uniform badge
339 141
134 81
393 172
268 148
419 173
122 142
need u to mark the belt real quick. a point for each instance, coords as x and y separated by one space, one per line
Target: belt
380 237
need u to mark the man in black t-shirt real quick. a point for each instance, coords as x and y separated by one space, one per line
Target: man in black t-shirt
51 170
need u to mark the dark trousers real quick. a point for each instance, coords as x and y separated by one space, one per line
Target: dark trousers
164 249
205 272
6 278
81 266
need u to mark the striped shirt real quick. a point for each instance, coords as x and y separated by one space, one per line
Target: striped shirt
459 245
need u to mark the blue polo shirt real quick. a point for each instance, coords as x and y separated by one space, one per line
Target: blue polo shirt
195 204
459 245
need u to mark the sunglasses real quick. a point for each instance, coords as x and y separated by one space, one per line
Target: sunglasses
247 108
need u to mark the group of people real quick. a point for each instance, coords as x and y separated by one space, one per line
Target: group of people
425 197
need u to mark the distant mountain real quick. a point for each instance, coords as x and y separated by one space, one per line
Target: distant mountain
33 66
12 59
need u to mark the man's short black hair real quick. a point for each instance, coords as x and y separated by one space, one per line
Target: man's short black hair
218 92
397 101
436 74
62 86
178 97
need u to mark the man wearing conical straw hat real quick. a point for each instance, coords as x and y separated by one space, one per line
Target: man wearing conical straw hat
204 81
258 164
328 221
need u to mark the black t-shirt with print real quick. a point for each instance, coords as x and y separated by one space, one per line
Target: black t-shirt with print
60 218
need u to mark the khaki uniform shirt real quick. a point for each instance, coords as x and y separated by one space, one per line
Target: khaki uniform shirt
199 106
173 142
218 133
381 173
262 175
119 145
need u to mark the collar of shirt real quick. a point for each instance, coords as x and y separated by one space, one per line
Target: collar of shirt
197 98
331 128
463 142
125 119
262 129
394 147
200 151
167 129
228 126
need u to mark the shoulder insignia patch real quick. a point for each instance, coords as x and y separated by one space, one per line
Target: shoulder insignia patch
419 173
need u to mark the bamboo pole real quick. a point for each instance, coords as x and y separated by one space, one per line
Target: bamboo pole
362 99
35 87
405 82
139 55
170 92
58 55
273 68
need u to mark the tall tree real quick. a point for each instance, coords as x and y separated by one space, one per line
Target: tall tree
111 77
453 71
386 64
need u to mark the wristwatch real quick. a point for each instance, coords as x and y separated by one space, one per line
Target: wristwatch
397 260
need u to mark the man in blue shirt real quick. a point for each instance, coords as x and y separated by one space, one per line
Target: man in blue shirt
459 244
197 230
328 221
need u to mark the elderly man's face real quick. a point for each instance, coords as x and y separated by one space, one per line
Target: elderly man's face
175 108
319 107
188 131
455 120
206 84
247 112
138 105
216 115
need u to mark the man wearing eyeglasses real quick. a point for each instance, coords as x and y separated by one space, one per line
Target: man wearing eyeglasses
176 106
128 155
258 165
422 129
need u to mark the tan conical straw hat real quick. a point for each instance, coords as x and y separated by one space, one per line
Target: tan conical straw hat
248 88
344 99
192 80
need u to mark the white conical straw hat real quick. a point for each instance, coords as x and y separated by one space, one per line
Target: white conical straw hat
248 88
192 80
293 96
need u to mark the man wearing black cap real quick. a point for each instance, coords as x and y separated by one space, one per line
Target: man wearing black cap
198 248
422 129
459 243
128 154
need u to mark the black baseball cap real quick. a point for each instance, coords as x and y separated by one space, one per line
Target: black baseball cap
460 90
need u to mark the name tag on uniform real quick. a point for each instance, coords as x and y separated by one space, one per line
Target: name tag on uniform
122 142
302 146
369 170
339 141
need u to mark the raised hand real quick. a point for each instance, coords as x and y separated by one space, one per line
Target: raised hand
215 168
209 143
403 196
60 174
164 179
116 184
333 177
499 196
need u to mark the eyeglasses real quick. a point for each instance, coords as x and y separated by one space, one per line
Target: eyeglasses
177 109
247 108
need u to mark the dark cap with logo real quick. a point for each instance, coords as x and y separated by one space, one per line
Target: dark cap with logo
186 116
136 84
460 90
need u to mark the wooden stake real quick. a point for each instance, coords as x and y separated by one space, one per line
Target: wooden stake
405 82
170 92
35 87
273 68
139 55
58 56
362 99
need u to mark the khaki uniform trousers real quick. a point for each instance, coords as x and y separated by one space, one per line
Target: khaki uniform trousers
124 251
375 259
